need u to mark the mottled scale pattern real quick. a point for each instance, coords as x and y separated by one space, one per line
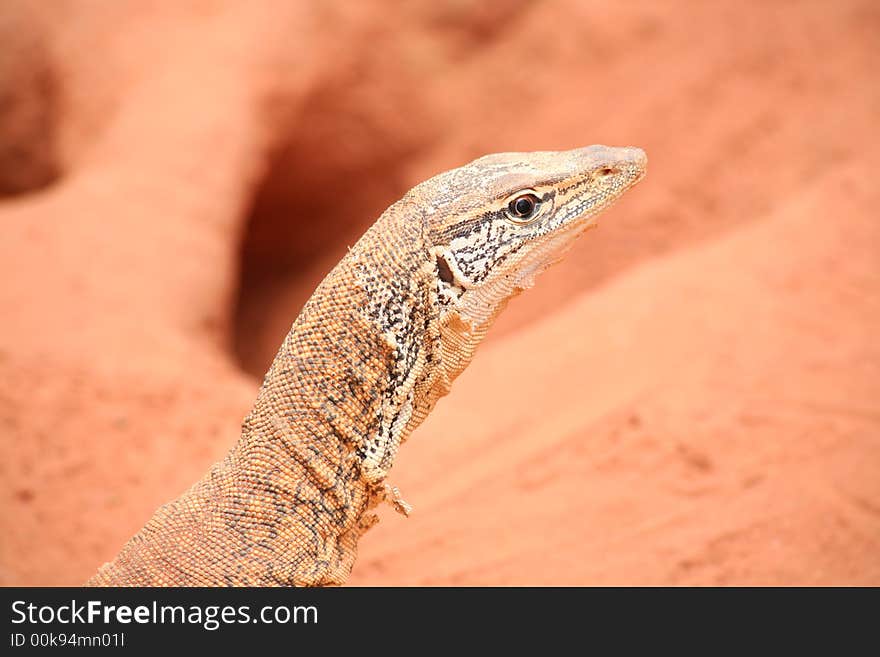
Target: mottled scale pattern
380 340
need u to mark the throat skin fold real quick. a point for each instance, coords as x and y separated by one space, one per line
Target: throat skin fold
382 338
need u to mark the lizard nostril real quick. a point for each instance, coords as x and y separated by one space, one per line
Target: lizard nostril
607 171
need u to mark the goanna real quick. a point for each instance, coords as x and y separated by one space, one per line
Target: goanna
379 342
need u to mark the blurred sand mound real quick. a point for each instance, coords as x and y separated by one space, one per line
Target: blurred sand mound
689 398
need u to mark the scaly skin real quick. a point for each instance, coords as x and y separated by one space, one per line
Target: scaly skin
381 339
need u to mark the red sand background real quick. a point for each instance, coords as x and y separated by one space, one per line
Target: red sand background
690 398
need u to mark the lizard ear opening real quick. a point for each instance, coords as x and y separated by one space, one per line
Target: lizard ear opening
444 271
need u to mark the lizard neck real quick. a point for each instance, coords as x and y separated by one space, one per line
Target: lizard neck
289 502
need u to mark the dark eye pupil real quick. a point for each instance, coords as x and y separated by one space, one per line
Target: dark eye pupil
522 206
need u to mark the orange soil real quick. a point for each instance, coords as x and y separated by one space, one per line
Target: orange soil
690 398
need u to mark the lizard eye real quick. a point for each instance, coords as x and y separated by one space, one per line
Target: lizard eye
523 208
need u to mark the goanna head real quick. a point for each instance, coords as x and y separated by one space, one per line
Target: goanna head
493 225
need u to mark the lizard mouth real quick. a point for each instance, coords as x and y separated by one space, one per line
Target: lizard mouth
552 244
629 170
616 171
